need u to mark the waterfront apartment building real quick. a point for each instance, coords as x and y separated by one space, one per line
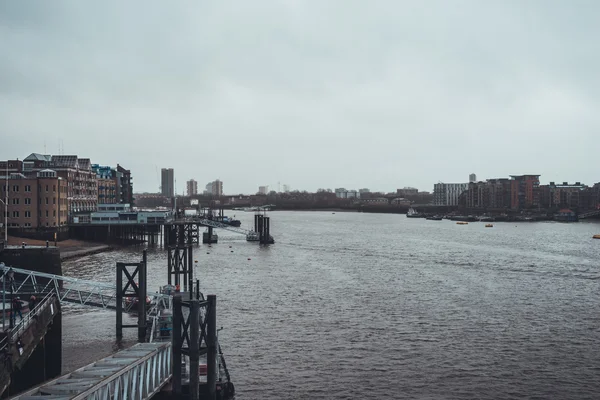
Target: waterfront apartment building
565 195
82 188
37 201
447 194
524 191
106 184
123 185
192 187
167 182
491 194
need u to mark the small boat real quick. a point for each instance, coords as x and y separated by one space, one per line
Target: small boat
462 223
489 225
412 213
434 218
596 237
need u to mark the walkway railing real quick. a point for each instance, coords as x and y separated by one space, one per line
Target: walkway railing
73 290
137 373
21 327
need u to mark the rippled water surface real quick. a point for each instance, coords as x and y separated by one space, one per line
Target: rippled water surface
367 306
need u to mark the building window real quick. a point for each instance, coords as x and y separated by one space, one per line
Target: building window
15 188
15 214
46 188
27 224
28 201
54 200
46 200
15 201
54 213
54 188
28 188
46 213
27 214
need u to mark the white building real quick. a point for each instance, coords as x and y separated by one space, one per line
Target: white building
447 194
472 178
263 189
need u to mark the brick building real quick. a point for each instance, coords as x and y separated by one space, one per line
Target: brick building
36 201
524 191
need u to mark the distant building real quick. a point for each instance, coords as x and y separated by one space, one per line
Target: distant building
364 190
491 194
342 193
286 188
524 191
192 187
407 191
557 195
447 194
214 188
472 178
167 182
263 189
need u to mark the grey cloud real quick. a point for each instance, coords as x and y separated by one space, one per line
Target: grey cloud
377 94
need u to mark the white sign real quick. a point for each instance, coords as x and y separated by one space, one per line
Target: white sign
194 202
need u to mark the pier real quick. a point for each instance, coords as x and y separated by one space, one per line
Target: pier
169 233
141 371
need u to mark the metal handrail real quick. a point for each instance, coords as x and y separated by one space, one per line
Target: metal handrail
25 321
80 291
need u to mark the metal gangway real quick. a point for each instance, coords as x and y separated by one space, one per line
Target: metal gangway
589 214
73 290
220 225
137 373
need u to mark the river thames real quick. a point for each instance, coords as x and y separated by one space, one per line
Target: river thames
374 306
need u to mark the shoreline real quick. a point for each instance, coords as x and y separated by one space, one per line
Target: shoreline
69 249
72 254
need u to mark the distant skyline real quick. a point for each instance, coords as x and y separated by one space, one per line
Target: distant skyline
342 93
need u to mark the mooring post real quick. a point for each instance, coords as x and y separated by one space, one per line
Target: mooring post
119 300
194 350
211 343
142 293
169 266
190 260
177 343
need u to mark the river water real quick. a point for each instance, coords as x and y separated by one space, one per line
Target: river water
374 306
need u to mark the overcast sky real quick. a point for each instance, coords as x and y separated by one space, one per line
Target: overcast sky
377 94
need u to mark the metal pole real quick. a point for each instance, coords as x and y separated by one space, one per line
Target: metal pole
4 302
142 292
194 351
176 345
119 300
6 207
190 262
211 343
